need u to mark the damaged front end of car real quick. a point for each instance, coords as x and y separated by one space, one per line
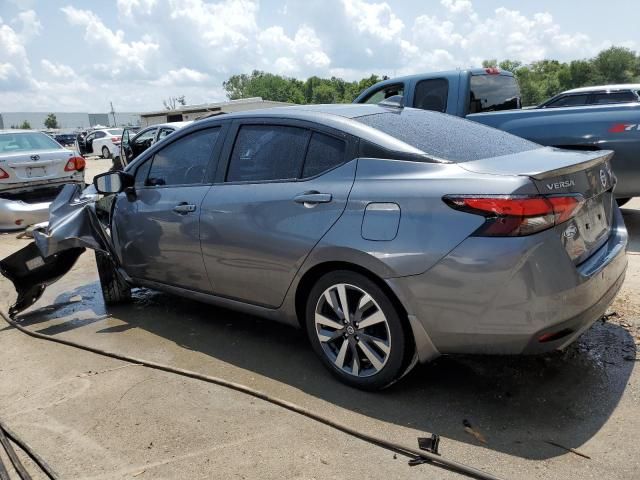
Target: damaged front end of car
74 225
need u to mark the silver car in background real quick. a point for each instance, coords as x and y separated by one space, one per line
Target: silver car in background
33 169
391 235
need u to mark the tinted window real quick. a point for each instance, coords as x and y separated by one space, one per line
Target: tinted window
323 154
100 134
447 137
432 94
184 161
141 173
614 97
164 132
24 142
491 93
145 136
267 152
385 92
569 101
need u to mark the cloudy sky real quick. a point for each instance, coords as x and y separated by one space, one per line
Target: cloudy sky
77 55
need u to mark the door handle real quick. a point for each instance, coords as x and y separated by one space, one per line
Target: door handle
184 208
312 198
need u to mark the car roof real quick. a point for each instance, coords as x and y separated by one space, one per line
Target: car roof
606 88
342 117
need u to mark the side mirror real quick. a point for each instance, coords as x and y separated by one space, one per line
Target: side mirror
112 182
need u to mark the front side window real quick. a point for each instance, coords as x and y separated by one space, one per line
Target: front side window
185 161
267 152
164 132
324 153
385 92
432 94
145 137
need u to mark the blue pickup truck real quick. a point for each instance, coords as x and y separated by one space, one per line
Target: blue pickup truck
492 97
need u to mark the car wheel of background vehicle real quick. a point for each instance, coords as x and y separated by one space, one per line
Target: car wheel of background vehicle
114 288
106 153
356 330
622 201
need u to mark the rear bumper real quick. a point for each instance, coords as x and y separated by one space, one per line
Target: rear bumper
18 214
500 295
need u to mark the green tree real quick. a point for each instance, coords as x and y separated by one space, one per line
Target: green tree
617 65
25 125
51 121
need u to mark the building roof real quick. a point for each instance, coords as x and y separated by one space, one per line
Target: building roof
212 107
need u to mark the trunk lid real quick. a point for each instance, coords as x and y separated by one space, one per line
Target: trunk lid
35 165
557 172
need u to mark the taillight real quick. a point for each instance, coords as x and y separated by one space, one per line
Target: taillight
516 215
3 174
75 164
115 139
492 71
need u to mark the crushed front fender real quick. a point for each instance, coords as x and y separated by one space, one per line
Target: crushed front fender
73 226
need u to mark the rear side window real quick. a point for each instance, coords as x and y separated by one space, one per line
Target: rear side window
614 97
267 152
324 153
447 137
385 92
185 161
569 101
432 94
490 93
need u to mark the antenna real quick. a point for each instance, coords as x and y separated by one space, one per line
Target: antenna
113 114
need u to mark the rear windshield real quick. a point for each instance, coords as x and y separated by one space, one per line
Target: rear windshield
446 137
26 142
490 93
115 131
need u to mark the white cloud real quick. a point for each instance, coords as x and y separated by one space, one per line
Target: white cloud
181 76
123 56
376 19
151 49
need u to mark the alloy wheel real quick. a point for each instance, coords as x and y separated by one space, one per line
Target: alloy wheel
353 330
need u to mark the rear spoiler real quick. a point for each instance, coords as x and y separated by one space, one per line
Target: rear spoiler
603 156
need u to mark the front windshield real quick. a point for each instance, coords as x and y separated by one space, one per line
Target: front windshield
26 142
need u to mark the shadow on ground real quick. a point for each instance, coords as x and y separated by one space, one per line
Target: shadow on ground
517 403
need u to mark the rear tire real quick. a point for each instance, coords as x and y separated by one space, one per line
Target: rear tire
368 357
106 153
114 288
622 201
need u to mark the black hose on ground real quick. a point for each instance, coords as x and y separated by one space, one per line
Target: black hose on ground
4 475
410 452
49 472
11 453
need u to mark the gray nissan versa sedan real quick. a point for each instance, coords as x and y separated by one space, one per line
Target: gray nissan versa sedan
391 235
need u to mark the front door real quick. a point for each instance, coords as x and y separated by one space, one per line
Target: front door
284 187
157 229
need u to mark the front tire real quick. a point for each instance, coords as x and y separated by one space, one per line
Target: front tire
356 330
106 153
114 288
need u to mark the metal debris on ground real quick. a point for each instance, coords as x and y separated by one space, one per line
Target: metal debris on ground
568 449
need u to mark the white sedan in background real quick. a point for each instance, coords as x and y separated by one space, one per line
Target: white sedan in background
104 142
33 169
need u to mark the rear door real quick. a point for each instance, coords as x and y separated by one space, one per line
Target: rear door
157 228
285 185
